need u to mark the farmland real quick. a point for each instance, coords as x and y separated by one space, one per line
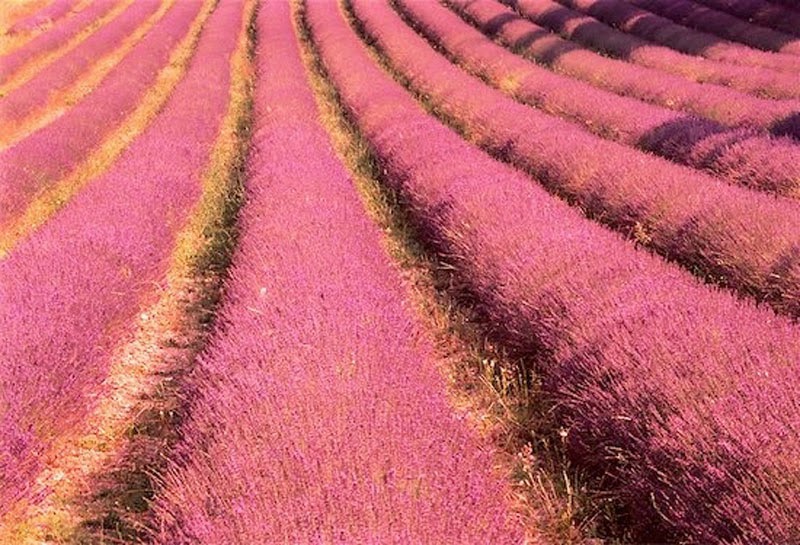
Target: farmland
399 271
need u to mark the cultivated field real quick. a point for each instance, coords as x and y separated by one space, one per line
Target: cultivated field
399 271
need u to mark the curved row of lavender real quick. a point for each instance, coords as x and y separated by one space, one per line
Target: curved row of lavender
592 33
743 156
719 24
321 416
624 14
69 293
46 16
679 395
52 39
722 104
733 236
43 158
760 12
22 101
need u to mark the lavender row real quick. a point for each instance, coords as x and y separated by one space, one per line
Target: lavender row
44 157
589 31
743 156
660 30
21 102
53 39
722 104
321 416
18 11
718 24
70 292
47 16
760 12
675 392
730 235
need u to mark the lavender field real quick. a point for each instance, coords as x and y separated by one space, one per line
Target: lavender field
399 271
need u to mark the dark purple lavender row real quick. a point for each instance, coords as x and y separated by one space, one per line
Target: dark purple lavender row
727 234
51 40
759 12
691 15
659 30
722 104
44 157
588 31
743 156
321 416
675 392
70 292
20 102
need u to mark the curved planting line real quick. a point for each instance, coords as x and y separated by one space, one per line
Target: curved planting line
742 156
43 171
76 74
25 30
729 235
760 12
721 24
650 26
320 416
592 33
722 104
19 10
19 67
68 311
154 358
44 17
675 393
